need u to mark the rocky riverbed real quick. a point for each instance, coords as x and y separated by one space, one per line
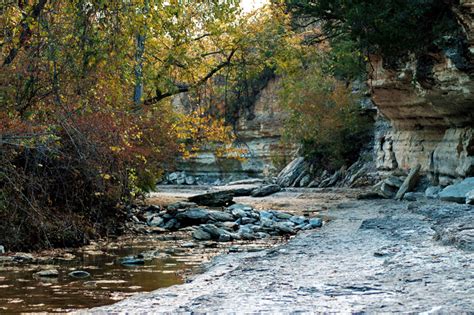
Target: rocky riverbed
371 255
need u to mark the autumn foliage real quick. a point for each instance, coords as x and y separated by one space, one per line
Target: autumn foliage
86 120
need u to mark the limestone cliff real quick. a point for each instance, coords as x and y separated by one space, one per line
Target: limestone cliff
258 132
429 101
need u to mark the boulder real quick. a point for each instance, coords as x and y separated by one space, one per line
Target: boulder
265 190
289 174
245 232
190 180
200 235
285 227
220 216
457 192
393 181
283 215
155 221
193 216
239 210
298 220
432 192
213 199
305 181
409 183
388 191
315 222
172 224
214 232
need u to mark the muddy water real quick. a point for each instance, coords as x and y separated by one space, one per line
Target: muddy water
22 291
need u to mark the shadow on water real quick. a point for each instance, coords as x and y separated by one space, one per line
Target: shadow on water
22 291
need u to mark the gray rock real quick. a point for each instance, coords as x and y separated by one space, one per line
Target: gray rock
220 216
190 180
288 175
193 216
283 215
201 235
23 257
230 226
413 196
457 192
215 233
50 273
248 220
2 249
214 199
240 210
173 177
265 190
261 235
409 183
188 245
241 192
285 227
371 195
246 232
171 224
266 215
132 261
432 192
388 191
156 221
134 219
298 220
305 181
79 274
268 223
393 181
181 205
470 197
249 181
315 222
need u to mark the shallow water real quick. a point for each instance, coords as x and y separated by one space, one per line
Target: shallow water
22 291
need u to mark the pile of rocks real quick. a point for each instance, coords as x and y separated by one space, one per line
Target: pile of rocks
180 178
235 222
402 186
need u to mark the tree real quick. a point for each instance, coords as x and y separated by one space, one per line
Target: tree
392 27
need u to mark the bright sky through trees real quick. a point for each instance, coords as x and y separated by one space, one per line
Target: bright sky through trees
250 5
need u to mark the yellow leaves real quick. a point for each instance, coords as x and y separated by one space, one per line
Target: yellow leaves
200 131
106 176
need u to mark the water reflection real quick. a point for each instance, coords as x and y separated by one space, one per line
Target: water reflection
22 291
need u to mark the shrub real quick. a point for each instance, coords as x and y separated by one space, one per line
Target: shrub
325 118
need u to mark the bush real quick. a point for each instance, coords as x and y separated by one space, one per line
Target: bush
325 118
68 183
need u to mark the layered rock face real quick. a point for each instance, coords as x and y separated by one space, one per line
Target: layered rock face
429 102
259 132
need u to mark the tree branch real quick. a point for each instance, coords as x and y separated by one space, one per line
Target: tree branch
181 88
25 32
